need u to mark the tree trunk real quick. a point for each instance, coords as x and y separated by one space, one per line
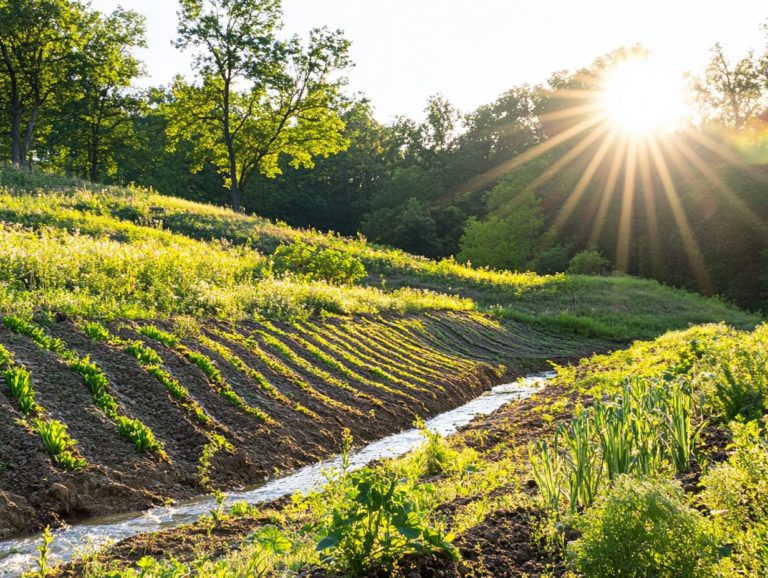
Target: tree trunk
234 191
93 155
16 156
29 134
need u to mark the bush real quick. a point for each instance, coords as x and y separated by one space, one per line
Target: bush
375 522
314 263
589 263
735 375
551 261
738 490
643 528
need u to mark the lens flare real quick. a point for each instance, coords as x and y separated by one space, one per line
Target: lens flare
643 97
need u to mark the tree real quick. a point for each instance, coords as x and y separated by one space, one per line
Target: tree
731 93
97 119
258 98
38 43
505 241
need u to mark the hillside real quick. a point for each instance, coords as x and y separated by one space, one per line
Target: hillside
152 351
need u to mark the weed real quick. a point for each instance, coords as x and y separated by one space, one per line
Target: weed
58 443
19 382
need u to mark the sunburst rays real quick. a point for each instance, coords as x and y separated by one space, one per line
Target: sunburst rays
627 169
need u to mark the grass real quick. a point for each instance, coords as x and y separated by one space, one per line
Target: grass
111 252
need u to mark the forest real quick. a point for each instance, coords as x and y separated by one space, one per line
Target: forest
267 124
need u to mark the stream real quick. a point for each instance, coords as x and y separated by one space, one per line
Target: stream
19 555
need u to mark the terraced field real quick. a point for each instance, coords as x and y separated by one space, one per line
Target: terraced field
228 404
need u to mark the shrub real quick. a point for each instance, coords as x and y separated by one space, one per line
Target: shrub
643 528
376 522
314 263
551 261
589 263
737 383
738 489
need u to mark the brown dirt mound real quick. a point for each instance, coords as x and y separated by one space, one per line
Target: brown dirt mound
422 378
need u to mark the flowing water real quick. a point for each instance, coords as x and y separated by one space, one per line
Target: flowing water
17 556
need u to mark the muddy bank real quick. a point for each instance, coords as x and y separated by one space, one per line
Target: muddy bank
371 375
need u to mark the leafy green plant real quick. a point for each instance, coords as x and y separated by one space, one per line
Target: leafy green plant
58 443
682 435
437 457
738 489
43 551
548 473
97 383
317 264
734 375
375 523
642 528
19 382
96 331
144 355
589 262
141 436
585 466
164 337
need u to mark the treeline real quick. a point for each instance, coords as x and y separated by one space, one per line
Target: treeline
267 124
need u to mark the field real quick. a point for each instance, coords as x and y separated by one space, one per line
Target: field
155 349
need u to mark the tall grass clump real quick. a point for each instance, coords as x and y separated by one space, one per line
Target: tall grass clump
646 430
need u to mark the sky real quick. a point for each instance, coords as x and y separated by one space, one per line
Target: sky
473 50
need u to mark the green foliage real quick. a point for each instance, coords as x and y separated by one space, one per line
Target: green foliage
206 365
164 337
58 443
642 528
737 491
436 454
216 443
96 331
506 240
552 261
645 430
734 375
589 262
97 383
376 523
19 382
317 264
258 85
24 327
43 551
141 436
146 356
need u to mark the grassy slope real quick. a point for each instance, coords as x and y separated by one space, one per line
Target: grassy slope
196 273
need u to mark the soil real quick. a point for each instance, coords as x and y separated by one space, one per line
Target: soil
35 493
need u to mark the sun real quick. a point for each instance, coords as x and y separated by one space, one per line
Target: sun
643 97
